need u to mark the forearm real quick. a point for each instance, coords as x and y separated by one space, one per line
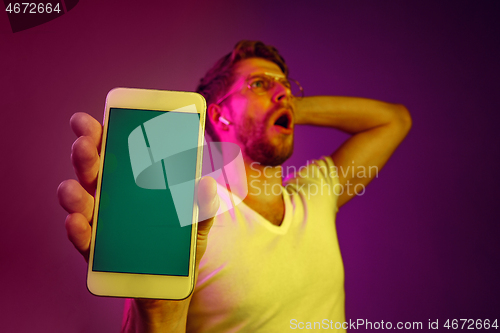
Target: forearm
377 129
155 316
349 114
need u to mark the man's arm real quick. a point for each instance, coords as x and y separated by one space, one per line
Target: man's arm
377 129
141 315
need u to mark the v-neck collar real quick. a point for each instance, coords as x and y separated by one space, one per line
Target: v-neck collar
287 218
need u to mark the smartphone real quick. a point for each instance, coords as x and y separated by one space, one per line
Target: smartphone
145 216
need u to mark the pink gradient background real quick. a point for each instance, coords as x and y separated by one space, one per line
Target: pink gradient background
421 244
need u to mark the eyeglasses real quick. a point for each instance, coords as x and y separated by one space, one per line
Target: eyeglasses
262 83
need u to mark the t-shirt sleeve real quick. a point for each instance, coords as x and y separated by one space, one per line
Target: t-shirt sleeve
317 180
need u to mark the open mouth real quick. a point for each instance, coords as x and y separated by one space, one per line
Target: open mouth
284 120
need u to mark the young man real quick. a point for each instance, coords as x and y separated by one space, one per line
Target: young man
273 261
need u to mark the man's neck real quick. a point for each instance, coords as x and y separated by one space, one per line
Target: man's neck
264 187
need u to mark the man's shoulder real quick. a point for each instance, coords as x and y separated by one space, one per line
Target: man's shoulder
314 170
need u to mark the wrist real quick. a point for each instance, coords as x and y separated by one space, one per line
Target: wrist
146 315
298 111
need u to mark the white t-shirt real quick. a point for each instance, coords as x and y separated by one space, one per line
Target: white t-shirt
259 277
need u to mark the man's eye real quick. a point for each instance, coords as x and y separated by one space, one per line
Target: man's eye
257 84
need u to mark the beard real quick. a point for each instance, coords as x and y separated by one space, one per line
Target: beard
258 147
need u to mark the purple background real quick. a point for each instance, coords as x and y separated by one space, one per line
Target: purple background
421 244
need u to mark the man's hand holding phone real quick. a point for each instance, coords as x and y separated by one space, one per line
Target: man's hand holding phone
77 198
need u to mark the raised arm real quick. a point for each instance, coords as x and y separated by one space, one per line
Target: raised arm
377 129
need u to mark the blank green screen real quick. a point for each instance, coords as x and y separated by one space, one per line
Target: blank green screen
138 229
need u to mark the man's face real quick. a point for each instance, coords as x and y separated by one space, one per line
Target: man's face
262 124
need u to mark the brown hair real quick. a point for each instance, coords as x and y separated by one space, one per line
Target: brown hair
220 77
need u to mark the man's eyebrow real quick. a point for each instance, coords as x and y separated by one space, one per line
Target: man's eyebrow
256 74
274 74
266 73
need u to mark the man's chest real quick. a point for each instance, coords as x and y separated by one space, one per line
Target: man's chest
250 270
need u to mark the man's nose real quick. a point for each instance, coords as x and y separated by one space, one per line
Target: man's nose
280 92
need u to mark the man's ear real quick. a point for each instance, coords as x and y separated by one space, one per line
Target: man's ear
214 113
